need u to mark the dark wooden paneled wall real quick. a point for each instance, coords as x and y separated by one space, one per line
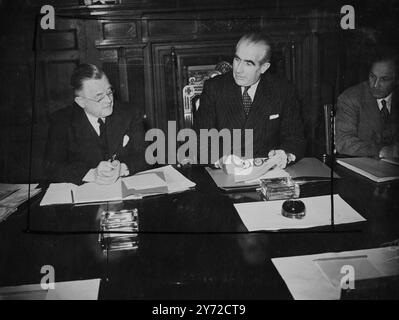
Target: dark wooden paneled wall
145 48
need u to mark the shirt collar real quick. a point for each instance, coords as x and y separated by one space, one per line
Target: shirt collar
252 89
387 99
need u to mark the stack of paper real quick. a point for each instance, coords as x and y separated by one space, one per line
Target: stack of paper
151 182
13 195
267 215
319 276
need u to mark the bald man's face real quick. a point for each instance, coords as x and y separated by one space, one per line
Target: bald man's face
382 79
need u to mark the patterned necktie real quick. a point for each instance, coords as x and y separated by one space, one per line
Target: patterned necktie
246 100
103 137
384 112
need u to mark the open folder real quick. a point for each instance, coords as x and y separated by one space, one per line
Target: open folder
152 182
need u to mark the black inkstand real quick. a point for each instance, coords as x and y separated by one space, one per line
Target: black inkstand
119 230
294 209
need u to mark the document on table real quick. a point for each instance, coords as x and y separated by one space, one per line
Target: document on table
151 182
13 195
376 170
318 276
226 182
70 290
310 168
266 215
20 193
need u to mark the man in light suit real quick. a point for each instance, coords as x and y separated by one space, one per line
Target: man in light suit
249 97
367 114
95 138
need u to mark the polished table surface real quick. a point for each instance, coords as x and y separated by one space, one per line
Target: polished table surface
192 245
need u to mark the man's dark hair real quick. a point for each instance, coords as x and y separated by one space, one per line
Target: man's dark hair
85 71
385 54
259 37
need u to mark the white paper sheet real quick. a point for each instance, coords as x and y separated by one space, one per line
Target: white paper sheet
266 215
175 180
15 199
144 181
70 290
306 281
60 193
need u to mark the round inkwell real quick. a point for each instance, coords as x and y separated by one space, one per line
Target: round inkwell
294 209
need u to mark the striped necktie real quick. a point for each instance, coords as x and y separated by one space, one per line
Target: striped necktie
246 100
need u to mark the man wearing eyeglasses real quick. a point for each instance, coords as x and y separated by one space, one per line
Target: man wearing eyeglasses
96 139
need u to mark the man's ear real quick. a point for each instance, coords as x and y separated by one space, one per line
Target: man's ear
80 102
264 67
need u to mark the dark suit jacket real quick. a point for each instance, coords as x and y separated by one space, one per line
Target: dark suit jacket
274 116
73 146
358 127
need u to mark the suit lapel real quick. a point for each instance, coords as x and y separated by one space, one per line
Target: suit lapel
84 132
394 113
372 110
233 104
117 127
261 102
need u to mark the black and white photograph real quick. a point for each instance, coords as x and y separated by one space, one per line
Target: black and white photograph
199 155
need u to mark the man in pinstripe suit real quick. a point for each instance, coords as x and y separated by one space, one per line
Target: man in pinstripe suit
250 98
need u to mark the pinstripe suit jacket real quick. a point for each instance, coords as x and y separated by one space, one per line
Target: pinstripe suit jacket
358 126
274 116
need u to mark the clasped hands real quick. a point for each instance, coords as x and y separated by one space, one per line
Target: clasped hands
276 159
107 172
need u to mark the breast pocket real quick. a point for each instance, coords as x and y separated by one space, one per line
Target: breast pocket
272 126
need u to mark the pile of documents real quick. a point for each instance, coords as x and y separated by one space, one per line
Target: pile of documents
151 182
13 195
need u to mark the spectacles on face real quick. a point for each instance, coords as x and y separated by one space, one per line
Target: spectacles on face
109 94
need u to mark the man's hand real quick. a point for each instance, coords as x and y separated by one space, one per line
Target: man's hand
390 151
107 172
279 157
124 170
231 164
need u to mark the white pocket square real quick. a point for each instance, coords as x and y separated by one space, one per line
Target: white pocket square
125 140
274 116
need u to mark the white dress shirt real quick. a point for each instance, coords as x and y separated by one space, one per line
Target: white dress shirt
94 122
388 100
252 90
